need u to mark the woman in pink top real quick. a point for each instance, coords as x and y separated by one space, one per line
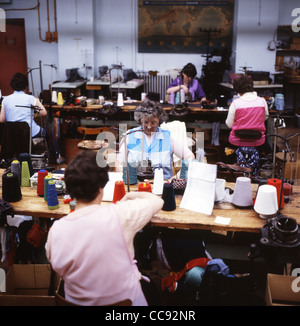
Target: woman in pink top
92 249
247 114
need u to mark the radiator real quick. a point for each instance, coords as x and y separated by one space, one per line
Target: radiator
157 84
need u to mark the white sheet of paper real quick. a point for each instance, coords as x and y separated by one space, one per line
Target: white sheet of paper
222 220
199 195
108 191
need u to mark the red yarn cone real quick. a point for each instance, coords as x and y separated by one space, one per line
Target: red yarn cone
277 184
119 191
145 186
40 183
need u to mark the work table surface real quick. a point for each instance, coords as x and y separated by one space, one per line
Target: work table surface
241 219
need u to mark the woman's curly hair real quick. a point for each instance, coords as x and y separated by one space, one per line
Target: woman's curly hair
84 177
150 109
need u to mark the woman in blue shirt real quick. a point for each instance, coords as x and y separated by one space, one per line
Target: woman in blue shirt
11 112
149 142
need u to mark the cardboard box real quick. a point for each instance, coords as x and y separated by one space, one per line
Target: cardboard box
279 291
28 285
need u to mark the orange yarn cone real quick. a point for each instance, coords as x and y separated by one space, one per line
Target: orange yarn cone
119 191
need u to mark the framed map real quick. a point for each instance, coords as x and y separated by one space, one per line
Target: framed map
184 26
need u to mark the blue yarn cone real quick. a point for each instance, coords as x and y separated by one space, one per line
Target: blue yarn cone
52 195
132 169
46 181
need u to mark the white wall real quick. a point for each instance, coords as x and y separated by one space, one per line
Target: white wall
105 25
255 27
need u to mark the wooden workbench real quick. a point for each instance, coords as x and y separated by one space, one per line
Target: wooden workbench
241 220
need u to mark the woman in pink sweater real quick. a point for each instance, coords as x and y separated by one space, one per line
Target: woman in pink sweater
92 249
248 114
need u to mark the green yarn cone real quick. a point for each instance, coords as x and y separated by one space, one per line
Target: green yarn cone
25 175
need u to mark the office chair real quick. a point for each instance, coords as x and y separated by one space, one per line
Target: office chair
14 140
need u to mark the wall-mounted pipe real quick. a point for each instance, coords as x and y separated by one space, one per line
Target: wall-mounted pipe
49 37
54 35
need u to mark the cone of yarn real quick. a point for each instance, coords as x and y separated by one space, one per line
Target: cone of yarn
16 168
60 100
11 190
242 195
26 157
25 175
158 183
52 195
277 184
184 169
145 186
132 169
40 183
168 196
119 191
266 203
287 189
46 180
54 97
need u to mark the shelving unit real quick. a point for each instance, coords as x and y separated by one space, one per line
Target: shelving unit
288 64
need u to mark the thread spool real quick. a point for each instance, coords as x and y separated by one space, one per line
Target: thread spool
52 195
11 190
182 95
158 183
184 169
26 157
40 184
60 100
168 196
145 186
119 191
132 170
172 98
242 196
25 175
46 181
120 99
266 203
16 168
277 184
54 97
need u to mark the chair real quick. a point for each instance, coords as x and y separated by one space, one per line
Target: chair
90 132
61 301
14 140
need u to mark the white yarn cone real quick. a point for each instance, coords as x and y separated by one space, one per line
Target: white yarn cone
54 97
158 183
120 99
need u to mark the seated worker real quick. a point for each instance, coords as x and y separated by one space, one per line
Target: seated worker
248 112
188 83
156 145
92 249
10 111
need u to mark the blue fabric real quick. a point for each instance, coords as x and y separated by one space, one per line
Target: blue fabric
249 155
